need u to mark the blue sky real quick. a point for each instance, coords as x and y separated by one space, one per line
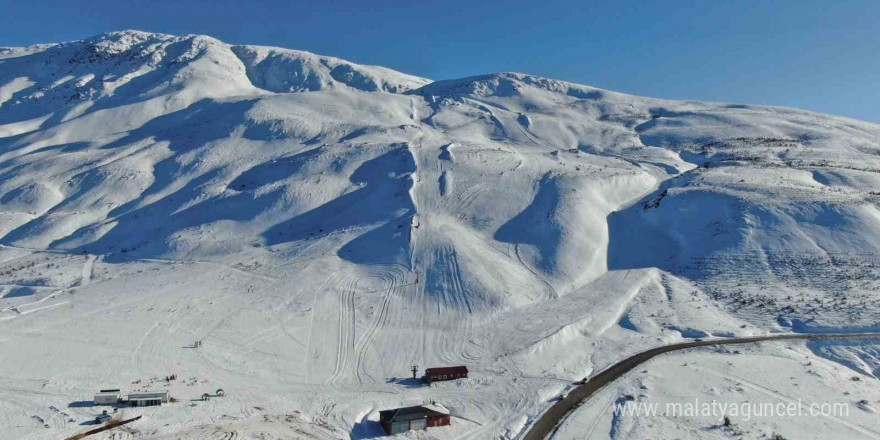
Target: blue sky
819 55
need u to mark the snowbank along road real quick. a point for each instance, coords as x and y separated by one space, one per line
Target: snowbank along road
550 420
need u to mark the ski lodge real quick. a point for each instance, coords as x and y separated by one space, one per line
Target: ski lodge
150 398
395 421
445 373
107 397
146 398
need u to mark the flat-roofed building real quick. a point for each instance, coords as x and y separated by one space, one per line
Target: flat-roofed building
445 373
107 397
148 398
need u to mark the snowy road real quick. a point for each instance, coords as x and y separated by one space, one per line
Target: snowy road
550 419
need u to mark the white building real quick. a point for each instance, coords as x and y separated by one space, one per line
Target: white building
149 398
107 397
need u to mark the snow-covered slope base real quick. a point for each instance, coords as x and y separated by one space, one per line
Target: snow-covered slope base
768 391
321 226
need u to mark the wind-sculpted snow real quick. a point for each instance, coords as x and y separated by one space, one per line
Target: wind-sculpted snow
159 161
56 83
322 225
508 85
381 205
284 70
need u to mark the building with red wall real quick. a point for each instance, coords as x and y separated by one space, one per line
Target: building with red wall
445 373
411 418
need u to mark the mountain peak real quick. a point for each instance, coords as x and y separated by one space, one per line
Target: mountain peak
128 34
287 70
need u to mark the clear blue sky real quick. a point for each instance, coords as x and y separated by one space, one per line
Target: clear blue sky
821 55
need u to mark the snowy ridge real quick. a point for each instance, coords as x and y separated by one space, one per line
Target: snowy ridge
285 70
507 84
321 226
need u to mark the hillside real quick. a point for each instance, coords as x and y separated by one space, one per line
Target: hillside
321 226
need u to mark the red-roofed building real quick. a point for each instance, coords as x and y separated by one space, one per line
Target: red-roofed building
400 420
445 373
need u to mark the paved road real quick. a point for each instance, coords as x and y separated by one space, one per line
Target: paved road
548 421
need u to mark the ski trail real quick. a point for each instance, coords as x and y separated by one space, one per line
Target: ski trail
346 329
28 312
88 270
152 260
460 295
414 111
22 309
137 349
170 318
314 311
554 294
376 325
209 263
457 312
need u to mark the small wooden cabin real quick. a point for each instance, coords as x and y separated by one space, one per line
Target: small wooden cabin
445 373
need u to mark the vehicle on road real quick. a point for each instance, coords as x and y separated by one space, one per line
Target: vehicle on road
103 417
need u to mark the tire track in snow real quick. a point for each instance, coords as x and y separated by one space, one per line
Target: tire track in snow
278 329
467 198
142 343
331 281
22 309
458 295
451 350
346 329
375 326
28 312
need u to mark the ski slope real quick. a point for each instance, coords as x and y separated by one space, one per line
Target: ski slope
321 226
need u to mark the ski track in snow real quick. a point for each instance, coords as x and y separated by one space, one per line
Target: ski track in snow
346 330
364 343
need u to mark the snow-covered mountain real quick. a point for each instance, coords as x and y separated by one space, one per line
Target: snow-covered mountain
321 225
